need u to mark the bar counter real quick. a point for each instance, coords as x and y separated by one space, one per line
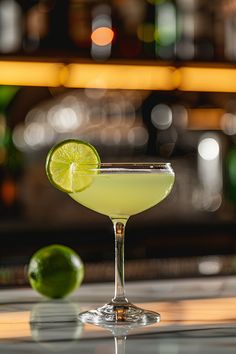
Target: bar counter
197 316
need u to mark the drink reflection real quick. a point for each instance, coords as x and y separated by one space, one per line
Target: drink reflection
54 325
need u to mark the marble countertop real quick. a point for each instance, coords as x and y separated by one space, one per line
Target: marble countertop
198 316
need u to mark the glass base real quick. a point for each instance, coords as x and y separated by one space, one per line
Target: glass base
122 315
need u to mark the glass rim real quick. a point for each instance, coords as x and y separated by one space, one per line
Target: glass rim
135 164
101 164
128 167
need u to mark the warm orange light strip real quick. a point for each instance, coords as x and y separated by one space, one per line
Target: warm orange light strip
207 79
15 325
111 76
30 73
117 76
205 118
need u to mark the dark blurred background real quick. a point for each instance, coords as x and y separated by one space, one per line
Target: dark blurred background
186 114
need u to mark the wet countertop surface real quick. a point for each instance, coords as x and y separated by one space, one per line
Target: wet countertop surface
197 316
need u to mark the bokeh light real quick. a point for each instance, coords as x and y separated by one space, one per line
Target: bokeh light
138 136
102 36
228 123
34 134
208 149
166 24
161 116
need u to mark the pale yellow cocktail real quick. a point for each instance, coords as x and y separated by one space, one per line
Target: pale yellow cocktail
122 194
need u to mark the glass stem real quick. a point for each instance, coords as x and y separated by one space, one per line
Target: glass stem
120 345
119 230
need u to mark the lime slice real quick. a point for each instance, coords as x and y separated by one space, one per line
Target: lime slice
70 164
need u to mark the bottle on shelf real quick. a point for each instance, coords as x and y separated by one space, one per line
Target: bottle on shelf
10 159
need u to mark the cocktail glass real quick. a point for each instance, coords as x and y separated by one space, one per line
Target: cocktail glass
120 190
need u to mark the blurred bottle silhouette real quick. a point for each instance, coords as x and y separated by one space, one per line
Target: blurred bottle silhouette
11 26
165 29
10 158
230 171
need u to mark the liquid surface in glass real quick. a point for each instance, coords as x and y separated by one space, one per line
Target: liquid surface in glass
122 194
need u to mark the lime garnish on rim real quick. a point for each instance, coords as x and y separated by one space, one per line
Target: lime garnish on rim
71 164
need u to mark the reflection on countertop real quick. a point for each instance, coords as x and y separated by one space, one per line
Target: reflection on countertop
197 316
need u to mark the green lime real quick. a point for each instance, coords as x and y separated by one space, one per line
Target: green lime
55 271
71 164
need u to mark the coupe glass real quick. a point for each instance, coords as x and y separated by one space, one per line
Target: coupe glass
120 190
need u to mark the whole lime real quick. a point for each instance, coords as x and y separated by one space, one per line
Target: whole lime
55 271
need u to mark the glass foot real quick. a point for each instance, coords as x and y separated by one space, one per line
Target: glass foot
112 315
